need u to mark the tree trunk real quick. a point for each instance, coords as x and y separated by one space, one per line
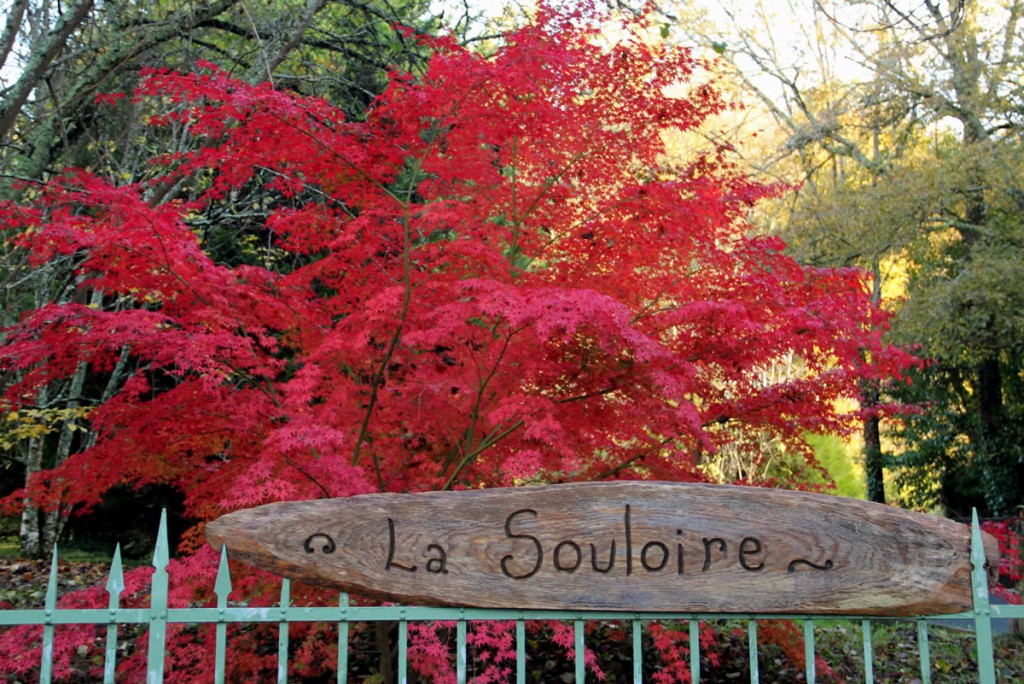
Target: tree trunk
999 475
10 35
54 520
873 458
874 470
30 531
387 653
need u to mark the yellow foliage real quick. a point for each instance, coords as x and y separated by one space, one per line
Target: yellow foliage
35 423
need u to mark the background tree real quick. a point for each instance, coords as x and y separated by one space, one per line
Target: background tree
977 278
891 148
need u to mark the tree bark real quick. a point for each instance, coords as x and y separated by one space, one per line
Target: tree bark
873 458
387 652
11 29
30 531
54 520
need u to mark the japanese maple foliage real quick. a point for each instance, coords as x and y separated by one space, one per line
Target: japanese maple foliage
496 277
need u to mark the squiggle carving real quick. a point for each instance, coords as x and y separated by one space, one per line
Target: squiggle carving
328 548
801 561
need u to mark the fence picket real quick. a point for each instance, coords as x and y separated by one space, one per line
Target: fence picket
50 603
982 608
581 665
115 585
222 588
869 656
810 671
638 652
158 605
925 651
403 652
282 633
520 651
343 639
755 671
460 651
694 652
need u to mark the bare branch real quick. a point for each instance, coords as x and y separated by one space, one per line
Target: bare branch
35 70
943 25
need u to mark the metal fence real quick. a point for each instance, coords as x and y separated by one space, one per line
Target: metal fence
159 615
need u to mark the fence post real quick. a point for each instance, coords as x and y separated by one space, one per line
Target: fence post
580 650
343 639
924 651
115 585
982 608
222 588
46 666
158 605
810 671
282 632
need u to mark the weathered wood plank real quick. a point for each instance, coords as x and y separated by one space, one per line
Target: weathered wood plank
636 546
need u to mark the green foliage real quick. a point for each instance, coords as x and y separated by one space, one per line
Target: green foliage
964 304
941 228
966 280
916 173
839 459
945 458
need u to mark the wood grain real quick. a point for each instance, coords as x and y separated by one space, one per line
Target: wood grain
633 546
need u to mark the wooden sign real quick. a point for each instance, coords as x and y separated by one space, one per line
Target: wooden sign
632 546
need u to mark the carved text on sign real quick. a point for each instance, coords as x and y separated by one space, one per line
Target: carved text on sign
524 560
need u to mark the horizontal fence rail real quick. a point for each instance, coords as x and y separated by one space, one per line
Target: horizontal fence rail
159 615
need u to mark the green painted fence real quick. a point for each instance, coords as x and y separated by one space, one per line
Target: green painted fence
159 615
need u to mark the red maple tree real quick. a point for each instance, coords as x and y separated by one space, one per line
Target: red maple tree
497 276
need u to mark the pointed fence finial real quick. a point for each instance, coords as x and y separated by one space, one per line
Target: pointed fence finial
115 581
222 586
51 586
115 586
162 551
